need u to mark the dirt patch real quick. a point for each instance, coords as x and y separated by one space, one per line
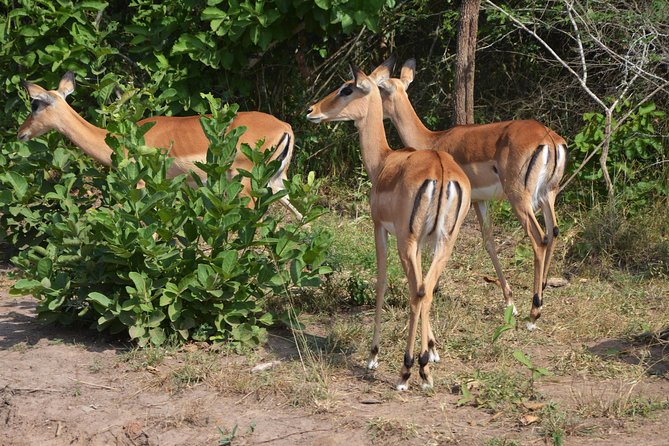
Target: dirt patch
62 386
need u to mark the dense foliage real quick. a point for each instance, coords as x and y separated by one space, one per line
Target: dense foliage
130 263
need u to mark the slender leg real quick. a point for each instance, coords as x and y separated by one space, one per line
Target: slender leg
529 222
424 357
284 201
442 254
432 342
381 243
481 208
552 231
277 185
407 252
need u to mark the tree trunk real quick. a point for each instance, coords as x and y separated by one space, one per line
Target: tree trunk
464 63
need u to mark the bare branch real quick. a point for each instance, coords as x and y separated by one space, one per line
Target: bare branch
581 53
522 26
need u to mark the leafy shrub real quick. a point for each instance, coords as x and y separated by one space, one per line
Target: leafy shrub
34 183
169 261
633 147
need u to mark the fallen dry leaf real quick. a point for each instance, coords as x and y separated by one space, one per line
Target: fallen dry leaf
533 405
527 419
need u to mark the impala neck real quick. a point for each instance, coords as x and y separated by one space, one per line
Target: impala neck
373 140
89 138
411 129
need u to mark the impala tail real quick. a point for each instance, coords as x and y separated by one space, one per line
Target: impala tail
438 211
544 171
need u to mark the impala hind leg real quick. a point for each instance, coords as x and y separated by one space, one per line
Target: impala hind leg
552 231
442 254
381 244
485 224
432 342
529 222
408 251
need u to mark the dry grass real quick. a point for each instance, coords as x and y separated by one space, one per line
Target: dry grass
587 332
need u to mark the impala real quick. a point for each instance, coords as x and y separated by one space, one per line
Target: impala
522 161
182 136
418 196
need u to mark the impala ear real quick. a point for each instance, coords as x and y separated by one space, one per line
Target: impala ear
361 81
383 71
408 72
37 92
67 84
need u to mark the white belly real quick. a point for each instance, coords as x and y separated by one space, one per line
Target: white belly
492 192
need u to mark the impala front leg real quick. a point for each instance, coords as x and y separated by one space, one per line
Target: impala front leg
485 224
381 244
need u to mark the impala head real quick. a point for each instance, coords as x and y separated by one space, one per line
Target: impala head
394 90
349 102
47 107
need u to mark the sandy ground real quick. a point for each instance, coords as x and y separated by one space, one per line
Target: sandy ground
60 386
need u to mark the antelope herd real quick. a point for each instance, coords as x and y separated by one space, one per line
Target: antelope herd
420 193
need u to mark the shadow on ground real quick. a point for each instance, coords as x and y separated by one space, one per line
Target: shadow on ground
649 350
19 325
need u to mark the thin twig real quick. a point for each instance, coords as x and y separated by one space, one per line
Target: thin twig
290 435
32 390
522 26
93 384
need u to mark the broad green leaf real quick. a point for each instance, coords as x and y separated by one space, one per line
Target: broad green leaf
25 286
155 318
99 298
524 360
136 332
157 336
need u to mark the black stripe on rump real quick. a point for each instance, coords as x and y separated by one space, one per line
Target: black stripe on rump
530 165
457 213
416 203
441 193
284 153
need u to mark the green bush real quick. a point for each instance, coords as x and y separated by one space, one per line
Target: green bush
634 148
168 261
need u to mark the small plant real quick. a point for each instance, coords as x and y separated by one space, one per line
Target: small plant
553 421
536 372
226 437
95 366
358 290
509 323
500 442
495 391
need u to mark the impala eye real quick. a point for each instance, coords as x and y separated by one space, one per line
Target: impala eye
347 90
34 105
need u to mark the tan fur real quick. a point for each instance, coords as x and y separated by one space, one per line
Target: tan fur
406 188
496 158
183 136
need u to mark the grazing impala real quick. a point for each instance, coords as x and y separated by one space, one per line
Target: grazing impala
520 160
183 136
416 195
